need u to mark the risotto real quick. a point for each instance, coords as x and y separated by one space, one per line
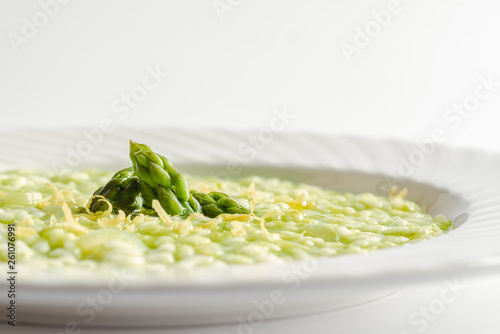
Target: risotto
286 221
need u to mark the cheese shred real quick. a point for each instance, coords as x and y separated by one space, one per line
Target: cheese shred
164 216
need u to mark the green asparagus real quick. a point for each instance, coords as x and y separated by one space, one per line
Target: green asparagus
216 203
152 176
122 191
158 179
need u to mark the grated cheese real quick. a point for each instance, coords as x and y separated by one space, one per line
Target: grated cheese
164 216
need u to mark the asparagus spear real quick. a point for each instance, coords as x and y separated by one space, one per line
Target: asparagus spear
122 191
215 203
152 176
158 179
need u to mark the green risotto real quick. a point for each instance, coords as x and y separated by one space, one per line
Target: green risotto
286 221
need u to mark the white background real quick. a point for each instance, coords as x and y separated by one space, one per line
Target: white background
261 55
234 69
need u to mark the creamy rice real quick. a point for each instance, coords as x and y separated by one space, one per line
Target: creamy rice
288 222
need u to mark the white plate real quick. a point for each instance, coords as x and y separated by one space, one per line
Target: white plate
459 183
